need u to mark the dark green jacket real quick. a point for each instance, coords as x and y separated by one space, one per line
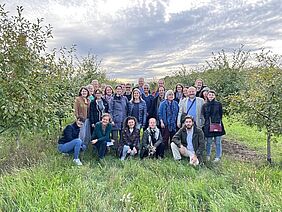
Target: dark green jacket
99 134
197 140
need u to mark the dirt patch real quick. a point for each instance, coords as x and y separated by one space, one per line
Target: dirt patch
240 152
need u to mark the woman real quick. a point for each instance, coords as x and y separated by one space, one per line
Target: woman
130 138
81 109
118 110
168 112
204 94
108 93
137 108
152 141
178 93
97 108
101 135
212 111
91 92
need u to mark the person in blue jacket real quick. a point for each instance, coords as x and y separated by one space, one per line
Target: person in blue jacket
70 141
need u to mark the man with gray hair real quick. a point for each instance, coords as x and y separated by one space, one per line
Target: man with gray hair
192 106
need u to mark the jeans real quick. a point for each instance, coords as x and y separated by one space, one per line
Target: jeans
125 150
218 146
167 136
71 147
85 134
101 147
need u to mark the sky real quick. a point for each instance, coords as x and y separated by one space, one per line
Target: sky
154 38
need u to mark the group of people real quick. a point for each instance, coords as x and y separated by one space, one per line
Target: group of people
186 120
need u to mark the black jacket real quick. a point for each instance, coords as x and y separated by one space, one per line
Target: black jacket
70 133
95 114
212 112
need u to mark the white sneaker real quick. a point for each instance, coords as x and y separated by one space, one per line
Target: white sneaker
216 160
77 162
208 158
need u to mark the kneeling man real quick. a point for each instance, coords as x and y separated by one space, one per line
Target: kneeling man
188 142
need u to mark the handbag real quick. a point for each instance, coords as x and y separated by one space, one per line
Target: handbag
215 127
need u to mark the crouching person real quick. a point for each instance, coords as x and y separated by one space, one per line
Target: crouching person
152 141
101 135
188 142
70 142
130 138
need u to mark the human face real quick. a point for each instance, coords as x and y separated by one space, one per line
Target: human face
211 96
118 90
185 92
188 123
178 88
191 92
199 83
91 89
109 91
161 83
84 93
105 120
205 94
95 84
98 95
128 88
136 95
141 82
131 123
79 123
161 91
152 123
170 96
146 89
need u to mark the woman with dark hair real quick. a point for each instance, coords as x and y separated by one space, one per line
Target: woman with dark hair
168 112
97 108
118 110
178 93
108 93
212 111
81 109
101 135
137 108
130 138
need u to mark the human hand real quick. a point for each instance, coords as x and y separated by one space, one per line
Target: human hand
94 141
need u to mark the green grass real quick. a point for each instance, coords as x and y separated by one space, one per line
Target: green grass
50 182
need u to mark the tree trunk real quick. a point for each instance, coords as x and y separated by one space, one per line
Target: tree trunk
269 147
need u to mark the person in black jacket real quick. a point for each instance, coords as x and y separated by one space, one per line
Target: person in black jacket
212 111
70 141
98 107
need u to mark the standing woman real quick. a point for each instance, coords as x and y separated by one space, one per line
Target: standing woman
118 110
108 93
168 112
81 109
212 111
138 108
178 94
130 138
98 107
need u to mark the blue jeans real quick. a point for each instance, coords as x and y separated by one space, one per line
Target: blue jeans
71 147
101 147
124 152
218 146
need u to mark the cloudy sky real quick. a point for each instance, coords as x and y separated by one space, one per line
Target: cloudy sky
152 38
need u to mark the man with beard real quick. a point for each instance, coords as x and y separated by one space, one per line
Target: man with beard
188 142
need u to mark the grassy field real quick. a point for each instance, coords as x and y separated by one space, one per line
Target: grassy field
48 181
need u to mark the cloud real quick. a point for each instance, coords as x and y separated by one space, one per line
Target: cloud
152 38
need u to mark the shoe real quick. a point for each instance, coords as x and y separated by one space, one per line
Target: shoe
216 160
77 162
208 158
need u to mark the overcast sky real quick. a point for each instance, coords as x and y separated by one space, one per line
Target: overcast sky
137 38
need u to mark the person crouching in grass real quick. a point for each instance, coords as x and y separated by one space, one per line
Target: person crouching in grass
130 138
152 141
101 135
188 142
70 141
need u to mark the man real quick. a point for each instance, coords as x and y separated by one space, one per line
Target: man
148 98
156 103
161 83
188 142
191 106
199 84
70 142
141 84
95 84
128 92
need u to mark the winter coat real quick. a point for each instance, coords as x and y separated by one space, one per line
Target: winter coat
70 133
169 116
212 112
147 138
81 108
197 140
142 112
95 115
101 135
118 110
